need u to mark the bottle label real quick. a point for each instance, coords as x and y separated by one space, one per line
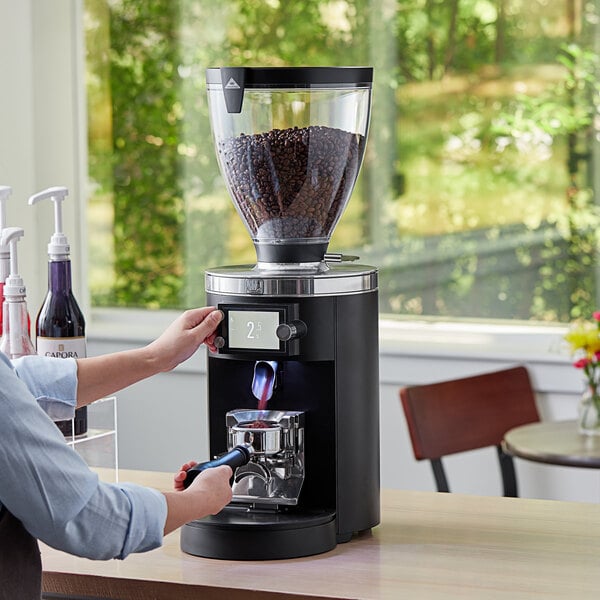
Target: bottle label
61 347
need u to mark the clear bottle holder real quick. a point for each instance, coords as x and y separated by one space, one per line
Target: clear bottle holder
98 446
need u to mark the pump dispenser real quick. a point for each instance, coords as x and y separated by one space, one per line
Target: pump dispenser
15 340
60 325
5 192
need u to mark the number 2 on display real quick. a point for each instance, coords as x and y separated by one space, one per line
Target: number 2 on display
253 330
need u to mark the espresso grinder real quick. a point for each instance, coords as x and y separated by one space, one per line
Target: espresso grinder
293 390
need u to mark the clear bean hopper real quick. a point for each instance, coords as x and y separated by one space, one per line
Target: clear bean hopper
290 143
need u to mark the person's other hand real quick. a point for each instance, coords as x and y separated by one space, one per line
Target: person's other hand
212 489
208 493
183 337
181 475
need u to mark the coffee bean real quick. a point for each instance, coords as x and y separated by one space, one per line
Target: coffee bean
292 183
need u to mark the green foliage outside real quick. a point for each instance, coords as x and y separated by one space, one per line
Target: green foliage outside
476 194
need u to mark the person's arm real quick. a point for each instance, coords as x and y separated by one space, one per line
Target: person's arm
59 385
59 500
52 381
47 486
101 376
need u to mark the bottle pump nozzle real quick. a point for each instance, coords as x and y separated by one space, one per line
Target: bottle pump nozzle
58 248
14 288
5 192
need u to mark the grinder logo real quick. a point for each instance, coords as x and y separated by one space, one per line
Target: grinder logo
232 84
254 286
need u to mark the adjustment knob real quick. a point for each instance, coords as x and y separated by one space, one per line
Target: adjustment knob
219 341
291 331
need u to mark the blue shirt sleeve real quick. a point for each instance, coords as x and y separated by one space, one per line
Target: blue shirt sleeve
52 381
49 488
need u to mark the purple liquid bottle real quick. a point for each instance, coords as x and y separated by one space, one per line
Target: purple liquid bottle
60 329
60 326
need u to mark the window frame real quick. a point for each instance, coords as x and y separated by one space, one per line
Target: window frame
48 84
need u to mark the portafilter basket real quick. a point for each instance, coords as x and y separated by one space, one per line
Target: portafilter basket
263 436
267 431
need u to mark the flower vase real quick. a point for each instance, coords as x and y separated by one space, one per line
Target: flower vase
589 414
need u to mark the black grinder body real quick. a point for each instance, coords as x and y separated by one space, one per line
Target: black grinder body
331 374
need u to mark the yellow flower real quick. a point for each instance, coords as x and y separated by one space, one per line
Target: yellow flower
584 337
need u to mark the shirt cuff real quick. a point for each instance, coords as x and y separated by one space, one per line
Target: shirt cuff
52 381
147 521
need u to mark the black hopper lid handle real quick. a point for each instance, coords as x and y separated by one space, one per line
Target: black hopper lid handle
233 81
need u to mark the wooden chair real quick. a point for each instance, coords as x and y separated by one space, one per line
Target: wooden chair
467 414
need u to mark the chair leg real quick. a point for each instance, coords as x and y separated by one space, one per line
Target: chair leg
507 469
439 475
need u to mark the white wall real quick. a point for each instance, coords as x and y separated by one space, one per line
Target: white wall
42 129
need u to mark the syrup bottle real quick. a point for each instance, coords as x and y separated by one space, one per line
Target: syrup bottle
60 326
15 341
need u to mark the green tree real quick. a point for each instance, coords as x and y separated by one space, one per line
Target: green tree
148 205
438 197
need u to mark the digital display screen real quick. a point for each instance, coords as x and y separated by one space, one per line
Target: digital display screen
253 329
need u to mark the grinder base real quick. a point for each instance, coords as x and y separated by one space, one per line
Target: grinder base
236 534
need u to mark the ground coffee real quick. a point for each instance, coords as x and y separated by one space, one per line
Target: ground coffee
292 183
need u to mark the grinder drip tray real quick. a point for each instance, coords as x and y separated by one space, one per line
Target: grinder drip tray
242 534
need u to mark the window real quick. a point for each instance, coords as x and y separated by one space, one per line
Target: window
476 195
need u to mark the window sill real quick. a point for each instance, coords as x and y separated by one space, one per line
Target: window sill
410 351
451 339
479 340
128 325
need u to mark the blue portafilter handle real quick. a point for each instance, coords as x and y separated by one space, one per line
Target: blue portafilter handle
236 457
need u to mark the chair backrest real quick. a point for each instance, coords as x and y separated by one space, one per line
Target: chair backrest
466 414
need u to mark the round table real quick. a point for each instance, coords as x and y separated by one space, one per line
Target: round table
555 443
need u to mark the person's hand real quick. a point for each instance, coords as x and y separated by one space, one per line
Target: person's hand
183 337
212 489
181 475
207 495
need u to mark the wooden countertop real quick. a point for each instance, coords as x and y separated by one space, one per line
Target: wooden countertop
429 546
